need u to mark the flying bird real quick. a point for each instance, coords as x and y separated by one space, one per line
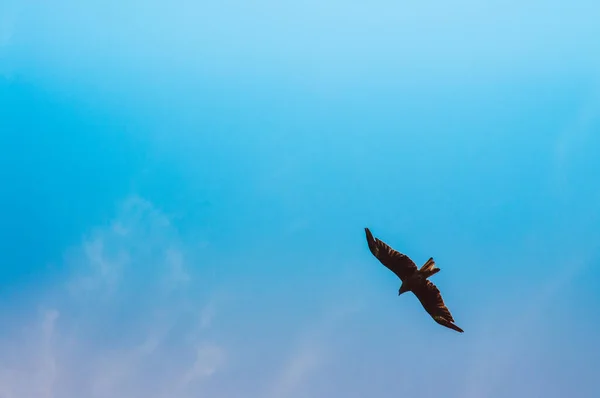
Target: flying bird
414 280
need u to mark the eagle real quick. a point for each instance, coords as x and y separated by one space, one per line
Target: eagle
414 280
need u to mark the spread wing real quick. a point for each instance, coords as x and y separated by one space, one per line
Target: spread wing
398 263
431 299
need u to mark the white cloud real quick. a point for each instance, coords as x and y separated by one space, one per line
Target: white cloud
114 328
38 375
207 314
209 358
178 274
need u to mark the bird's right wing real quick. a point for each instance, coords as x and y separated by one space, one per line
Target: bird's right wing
398 263
431 299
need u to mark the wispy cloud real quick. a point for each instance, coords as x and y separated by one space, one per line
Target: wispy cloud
310 354
129 320
297 370
209 358
114 328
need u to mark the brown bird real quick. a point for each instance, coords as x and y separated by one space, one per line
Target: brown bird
414 280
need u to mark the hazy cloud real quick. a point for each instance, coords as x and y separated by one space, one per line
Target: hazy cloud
209 358
113 328
297 370
310 353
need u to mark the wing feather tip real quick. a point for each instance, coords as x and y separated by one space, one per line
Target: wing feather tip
445 322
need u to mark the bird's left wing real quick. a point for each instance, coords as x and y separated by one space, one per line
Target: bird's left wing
400 264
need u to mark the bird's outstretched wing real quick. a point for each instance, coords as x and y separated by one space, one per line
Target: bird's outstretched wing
398 263
431 299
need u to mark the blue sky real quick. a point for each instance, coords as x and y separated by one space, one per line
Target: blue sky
185 187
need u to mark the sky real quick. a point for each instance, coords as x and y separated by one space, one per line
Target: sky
185 187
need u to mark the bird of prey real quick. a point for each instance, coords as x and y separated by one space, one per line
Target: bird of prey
414 280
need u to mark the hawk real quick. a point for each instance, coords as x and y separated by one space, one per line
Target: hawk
414 280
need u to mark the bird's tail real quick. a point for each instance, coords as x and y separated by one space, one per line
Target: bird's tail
444 322
429 268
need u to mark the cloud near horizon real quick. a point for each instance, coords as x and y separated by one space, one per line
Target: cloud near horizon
127 319
114 328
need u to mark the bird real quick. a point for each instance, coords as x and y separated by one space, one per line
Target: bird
414 280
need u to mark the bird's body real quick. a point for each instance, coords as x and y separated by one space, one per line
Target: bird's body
414 280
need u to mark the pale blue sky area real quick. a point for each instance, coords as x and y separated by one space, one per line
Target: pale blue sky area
185 186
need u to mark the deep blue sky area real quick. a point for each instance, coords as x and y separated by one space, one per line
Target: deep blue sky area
184 188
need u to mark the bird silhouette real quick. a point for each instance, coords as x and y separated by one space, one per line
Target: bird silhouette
414 280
